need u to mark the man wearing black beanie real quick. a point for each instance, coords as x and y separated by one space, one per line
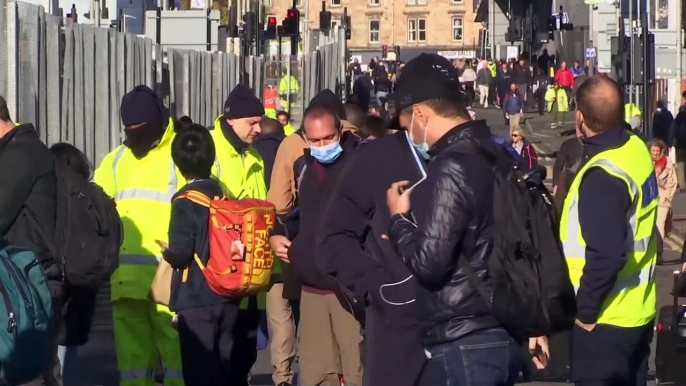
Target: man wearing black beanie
142 178
240 170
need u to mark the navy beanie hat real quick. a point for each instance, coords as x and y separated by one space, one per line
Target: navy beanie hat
242 103
141 105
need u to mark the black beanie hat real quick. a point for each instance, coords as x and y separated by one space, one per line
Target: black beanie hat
242 103
141 105
328 100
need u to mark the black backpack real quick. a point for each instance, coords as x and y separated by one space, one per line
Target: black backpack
88 231
528 287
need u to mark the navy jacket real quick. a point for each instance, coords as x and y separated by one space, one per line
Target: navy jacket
188 235
603 205
514 102
267 145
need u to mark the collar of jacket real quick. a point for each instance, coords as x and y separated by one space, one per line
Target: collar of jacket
20 132
610 139
232 137
477 130
349 141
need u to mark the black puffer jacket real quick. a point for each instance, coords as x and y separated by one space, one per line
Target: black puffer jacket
28 196
453 208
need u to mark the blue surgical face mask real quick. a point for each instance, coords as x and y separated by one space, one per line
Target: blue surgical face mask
423 147
327 154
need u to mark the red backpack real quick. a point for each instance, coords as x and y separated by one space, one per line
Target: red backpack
241 259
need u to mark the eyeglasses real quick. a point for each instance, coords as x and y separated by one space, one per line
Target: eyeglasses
515 135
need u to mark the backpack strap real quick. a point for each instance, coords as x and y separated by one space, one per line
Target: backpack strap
196 197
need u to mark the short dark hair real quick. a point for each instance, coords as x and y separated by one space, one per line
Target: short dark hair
375 126
186 119
270 126
683 94
193 152
285 114
321 112
73 159
4 111
657 143
599 99
454 106
355 115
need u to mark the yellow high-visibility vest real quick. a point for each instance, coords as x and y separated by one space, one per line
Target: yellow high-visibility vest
632 300
630 111
241 176
143 189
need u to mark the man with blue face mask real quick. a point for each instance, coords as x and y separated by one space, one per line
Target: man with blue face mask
328 333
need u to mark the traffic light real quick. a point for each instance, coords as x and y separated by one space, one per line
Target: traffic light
324 20
348 28
232 28
250 26
384 51
270 28
397 52
291 26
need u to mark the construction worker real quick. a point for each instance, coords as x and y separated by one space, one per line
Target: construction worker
142 178
288 91
608 235
558 106
240 170
285 119
631 111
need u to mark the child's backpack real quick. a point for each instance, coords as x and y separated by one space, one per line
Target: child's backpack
241 260
26 319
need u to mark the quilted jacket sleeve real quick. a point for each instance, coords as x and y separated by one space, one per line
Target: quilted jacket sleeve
431 248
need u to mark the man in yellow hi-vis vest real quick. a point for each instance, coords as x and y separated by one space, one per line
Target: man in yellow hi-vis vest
142 178
608 235
288 91
240 170
285 119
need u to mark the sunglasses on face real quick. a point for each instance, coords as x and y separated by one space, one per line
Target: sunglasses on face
515 136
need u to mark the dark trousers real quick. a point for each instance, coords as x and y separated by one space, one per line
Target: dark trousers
491 92
244 353
392 343
52 375
487 357
611 356
206 338
540 98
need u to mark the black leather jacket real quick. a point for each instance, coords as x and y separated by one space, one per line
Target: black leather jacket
453 209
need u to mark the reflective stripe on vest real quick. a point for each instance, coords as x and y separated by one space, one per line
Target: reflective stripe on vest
631 301
146 194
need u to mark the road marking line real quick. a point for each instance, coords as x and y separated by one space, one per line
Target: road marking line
676 239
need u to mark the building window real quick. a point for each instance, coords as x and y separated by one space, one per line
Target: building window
659 14
416 2
374 2
334 23
374 28
457 29
416 30
298 3
458 1
335 3
268 3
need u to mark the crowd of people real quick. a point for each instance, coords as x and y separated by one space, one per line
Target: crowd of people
388 229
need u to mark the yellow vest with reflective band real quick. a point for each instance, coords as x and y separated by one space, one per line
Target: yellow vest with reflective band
289 129
271 113
241 176
632 300
283 86
491 67
630 111
143 190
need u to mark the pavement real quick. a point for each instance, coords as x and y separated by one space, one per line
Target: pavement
95 363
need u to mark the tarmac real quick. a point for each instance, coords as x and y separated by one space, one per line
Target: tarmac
95 363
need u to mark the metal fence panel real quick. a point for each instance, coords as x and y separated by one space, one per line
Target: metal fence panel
102 139
4 44
28 62
53 72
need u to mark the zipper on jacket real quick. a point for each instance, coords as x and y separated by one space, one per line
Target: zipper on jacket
10 268
12 323
33 287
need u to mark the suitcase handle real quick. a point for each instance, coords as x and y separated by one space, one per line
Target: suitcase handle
675 304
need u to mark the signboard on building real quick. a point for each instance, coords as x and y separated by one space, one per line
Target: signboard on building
465 54
512 52
590 52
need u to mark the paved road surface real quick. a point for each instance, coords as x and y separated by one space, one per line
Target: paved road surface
95 363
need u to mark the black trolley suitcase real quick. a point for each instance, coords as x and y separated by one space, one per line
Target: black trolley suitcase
559 367
670 353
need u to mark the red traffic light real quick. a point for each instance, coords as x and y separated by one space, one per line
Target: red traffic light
271 20
291 13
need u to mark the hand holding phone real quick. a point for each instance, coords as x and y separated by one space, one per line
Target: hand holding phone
163 244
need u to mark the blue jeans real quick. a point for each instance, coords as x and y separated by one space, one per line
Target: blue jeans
482 358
